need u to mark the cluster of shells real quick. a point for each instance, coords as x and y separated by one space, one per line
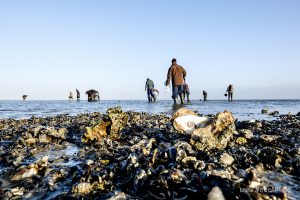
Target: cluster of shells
125 155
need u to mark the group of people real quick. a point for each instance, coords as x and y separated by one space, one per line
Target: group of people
93 95
77 95
176 75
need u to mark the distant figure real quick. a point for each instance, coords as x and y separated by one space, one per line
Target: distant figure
149 87
70 96
93 95
177 74
24 97
230 92
78 95
186 92
204 95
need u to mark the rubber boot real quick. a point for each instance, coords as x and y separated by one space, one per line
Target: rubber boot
175 100
181 98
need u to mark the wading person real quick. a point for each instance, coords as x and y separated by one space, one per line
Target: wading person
78 95
149 87
177 74
70 96
186 92
230 92
204 95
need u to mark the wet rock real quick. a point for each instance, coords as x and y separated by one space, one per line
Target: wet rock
216 135
269 138
274 113
241 140
25 172
118 196
265 111
97 132
215 194
82 188
111 124
118 119
226 159
248 134
186 121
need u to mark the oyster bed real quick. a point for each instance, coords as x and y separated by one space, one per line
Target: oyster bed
46 158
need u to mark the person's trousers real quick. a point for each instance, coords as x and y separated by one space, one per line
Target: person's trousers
150 94
177 90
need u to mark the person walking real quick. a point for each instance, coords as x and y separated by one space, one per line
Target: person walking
149 87
78 95
230 92
70 96
186 92
204 95
177 74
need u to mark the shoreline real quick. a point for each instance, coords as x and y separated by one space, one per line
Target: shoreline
47 158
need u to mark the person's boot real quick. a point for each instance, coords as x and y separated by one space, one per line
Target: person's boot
175 100
181 98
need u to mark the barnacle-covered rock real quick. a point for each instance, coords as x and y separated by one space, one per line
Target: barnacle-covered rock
215 135
111 124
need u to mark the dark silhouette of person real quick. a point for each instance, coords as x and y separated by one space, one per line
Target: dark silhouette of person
149 87
70 96
93 95
204 95
78 95
24 97
177 74
230 92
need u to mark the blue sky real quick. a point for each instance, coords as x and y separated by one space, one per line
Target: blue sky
48 48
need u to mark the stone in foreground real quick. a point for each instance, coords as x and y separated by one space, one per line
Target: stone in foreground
215 135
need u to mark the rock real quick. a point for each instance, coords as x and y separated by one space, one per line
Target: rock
97 132
60 133
17 191
269 138
24 173
264 111
241 173
215 194
118 119
111 124
182 112
274 113
241 140
186 121
246 133
82 188
118 196
226 159
216 135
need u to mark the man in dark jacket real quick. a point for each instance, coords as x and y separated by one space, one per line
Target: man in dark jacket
149 87
177 74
